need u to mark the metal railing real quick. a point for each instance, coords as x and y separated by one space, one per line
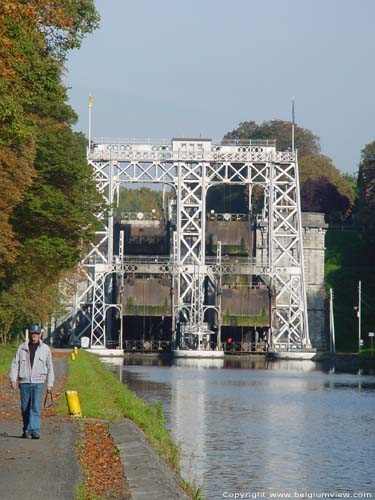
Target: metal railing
244 347
138 216
168 142
209 260
147 259
227 217
147 345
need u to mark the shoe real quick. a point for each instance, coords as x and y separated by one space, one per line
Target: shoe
26 435
35 435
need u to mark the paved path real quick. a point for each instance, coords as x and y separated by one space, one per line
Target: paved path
45 469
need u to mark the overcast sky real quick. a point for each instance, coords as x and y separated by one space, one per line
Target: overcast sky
161 69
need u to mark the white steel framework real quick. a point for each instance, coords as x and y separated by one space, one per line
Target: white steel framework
191 167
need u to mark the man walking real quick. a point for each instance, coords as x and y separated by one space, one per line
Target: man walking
32 365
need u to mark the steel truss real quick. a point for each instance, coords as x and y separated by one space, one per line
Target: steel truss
191 167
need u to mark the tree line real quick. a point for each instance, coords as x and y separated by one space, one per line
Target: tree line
48 201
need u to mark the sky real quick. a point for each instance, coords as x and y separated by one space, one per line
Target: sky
163 69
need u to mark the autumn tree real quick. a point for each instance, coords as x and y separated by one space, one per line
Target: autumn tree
34 39
48 200
313 166
305 141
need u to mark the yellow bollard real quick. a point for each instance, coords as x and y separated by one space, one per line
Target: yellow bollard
73 403
72 356
75 350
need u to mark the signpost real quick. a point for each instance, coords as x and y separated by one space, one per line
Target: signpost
371 335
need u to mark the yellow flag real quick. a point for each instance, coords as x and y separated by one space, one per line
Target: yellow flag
90 101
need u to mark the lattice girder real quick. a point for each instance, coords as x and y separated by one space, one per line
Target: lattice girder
191 173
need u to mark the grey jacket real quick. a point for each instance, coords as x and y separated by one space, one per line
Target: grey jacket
42 367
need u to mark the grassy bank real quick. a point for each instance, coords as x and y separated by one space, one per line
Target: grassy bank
6 356
103 396
347 262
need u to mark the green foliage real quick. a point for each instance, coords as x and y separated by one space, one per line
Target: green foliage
6 355
317 167
195 492
305 141
368 154
49 200
141 200
348 260
365 209
313 167
103 396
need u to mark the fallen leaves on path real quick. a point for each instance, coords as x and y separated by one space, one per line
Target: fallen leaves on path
103 471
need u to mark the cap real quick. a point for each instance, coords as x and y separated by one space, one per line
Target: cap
35 329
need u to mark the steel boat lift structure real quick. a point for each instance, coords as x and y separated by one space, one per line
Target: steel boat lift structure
191 167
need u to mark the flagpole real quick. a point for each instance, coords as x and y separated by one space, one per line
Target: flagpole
293 124
90 107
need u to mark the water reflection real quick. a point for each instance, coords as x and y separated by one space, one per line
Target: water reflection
250 363
254 425
200 364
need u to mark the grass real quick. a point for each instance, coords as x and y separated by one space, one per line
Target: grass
6 355
103 396
367 355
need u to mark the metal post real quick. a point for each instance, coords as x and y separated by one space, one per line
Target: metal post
331 322
293 124
218 294
359 314
90 108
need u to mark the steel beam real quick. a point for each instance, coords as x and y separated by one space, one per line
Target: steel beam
191 167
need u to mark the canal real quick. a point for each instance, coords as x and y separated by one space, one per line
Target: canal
259 428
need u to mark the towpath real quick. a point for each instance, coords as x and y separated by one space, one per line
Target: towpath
48 468
37 469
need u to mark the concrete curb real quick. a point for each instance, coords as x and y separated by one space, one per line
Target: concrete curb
147 474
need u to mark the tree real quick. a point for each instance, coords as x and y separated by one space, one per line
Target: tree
366 191
141 200
49 201
313 168
312 165
305 141
34 39
320 195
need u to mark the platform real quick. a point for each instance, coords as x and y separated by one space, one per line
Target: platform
195 353
302 355
102 351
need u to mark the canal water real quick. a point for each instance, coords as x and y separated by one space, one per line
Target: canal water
260 429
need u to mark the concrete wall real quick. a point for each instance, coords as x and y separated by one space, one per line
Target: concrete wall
143 237
147 297
314 231
245 306
231 235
